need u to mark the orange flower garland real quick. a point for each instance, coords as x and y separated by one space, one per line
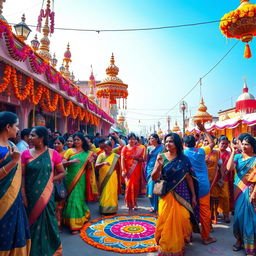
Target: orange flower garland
42 95
6 78
35 97
240 24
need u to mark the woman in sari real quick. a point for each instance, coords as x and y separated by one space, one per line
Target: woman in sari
131 158
108 179
78 161
213 166
244 227
58 145
41 167
226 178
152 152
14 229
175 213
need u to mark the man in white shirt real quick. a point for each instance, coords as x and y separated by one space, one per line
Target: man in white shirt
23 144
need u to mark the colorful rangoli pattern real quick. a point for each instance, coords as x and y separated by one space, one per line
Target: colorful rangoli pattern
123 233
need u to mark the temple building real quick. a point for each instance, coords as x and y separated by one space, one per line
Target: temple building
33 88
234 121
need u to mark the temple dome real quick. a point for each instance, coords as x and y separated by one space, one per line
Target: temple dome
246 102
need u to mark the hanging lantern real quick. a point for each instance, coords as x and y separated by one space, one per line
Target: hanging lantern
241 24
176 128
202 115
35 43
112 87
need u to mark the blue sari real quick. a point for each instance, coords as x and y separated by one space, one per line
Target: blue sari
244 227
14 229
152 155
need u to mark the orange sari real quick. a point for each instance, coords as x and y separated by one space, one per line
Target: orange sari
132 174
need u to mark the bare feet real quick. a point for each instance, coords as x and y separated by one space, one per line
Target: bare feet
74 232
209 240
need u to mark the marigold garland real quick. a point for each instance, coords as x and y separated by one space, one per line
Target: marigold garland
48 100
40 67
6 78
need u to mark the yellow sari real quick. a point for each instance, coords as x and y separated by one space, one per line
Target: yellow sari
108 183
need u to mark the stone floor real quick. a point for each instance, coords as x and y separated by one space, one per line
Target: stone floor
73 245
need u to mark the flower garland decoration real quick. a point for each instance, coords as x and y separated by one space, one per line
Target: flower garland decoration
6 78
35 97
40 67
52 104
241 24
44 14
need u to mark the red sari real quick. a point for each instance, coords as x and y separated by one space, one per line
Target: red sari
132 171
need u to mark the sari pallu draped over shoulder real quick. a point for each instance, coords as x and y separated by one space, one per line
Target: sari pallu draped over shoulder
132 175
152 155
76 212
245 216
41 206
176 215
14 229
108 181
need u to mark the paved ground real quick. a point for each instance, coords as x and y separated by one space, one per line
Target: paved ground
73 245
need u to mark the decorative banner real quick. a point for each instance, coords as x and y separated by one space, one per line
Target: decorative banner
123 233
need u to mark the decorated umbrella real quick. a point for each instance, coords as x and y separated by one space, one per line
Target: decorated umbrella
202 115
241 24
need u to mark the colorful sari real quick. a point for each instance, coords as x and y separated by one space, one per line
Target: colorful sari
226 195
132 174
14 229
39 172
152 155
76 212
108 182
244 227
175 215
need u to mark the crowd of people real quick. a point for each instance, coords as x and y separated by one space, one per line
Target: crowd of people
47 179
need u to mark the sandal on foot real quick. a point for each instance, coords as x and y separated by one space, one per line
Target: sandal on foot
210 240
237 248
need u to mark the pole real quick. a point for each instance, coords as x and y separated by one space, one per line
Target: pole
34 115
183 122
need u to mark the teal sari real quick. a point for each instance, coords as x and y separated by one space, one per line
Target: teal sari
152 155
14 229
244 227
41 206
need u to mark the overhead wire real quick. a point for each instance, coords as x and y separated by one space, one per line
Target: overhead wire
207 73
138 29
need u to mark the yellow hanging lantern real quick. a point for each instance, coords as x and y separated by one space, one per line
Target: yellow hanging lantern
202 115
241 24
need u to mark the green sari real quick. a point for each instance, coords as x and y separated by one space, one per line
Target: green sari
41 206
76 212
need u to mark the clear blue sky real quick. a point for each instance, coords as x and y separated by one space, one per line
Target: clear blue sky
159 66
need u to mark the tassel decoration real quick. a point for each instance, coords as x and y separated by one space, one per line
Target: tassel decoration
247 52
